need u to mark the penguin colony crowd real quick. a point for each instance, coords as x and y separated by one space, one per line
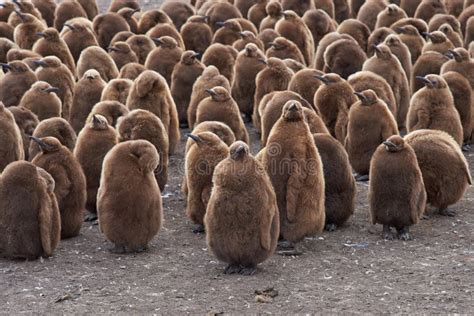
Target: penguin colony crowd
92 105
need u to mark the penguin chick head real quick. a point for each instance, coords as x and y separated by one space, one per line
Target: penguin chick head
394 144
127 13
382 51
329 79
120 48
232 25
48 62
238 150
47 144
408 30
7 5
91 74
219 94
166 42
198 19
279 43
459 54
275 64
205 139
251 50
247 35
25 18
433 81
15 66
210 71
47 179
392 9
145 155
290 15
99 122
274 9
446 28
50 34
293 111
43 87
189 57
367 97
436 37
392 40
76 27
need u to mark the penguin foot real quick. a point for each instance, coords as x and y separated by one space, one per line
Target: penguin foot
361 177
466 147
387 233
199 229
285 244
140 249
248 270
404 234
118 249
90 217
447 212
232 269
330 227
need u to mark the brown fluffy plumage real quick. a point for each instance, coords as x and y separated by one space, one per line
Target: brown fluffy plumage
15 82
42 100
11 148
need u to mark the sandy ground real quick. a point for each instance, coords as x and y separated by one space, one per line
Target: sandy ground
350 270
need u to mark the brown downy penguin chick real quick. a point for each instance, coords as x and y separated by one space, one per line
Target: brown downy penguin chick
300 193
221 107
223 57
15 82
439 19
369 11
178 11
184 76
441 162
462 63
5 46
355 6
163 58
21 54
364 80
142 124
97 58
90 7
370 123
27 122
267 36
58 75
220 12
67 10
26 7
247 37
274 77
150 92
320 24
258 12
107 25
386 65
274 12
409 6
78 39
25 34
334 99
111 110
6 8
305 83
412 39
471 49
428 8
397 196
196 34
401 51
51 44
420 25
469 36
298 6
30 224
453 36
378 36
93 143
462 96
137 159
116 5
117 90
7 31
122 54
438 42
142 45
70 188
161 30
131 71
11 140
151 18
358 30
87 92
454 7
432 107
324 43
340 189
315 123
283 48
391 14
206 150
293 28
242 221
344 57
228 33
247 67
244 6
121 37
326 5
127 14
220 129
209 79
55 127
42 100
341 10
428 63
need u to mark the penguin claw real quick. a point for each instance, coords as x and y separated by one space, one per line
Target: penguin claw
466 147
232 269
199 229
330 227
118 249
141 249
447 212
405 236
387 233
361 177
90 217
248 271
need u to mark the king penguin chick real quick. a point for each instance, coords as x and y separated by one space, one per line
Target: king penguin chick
432 107
257 12
131 71
116 205
220 106
29 215
428 8
25 34
206 150
452 36
11 148
122 54
461 63
142 45
196 34
410 36
163 58
370 123
107 25
78 38
438 42
42 100
96 58
428 63
93 143
298 6
401 51
55 127
369 11
242 221
127 14
228 33
274 12
70 189
15 82
27 122
223 57
150 92
283 48
67 10
391 14
344 57
320 24
178 11
441 162
117 90
397 196
111 110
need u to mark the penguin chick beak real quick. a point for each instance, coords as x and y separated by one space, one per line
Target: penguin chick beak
5 67
195 138
389 146
20 15
293 107
322 79
425 81
196 55
38 62
211 92
41 34
426 35
112 49
220 24
95 120
453 52
285 15
205 18
238 153
51 89
242 34
157 41
361 96
376 48
72 28
263 61
43 146
400 30
449 55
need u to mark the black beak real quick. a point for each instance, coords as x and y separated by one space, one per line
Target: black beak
293 107
263 61
195 138
38 62
69 26
197 55
376 48
361 96
425 81
238 152
41 34
400 30
43 146
52 89
95 120
322 79
242 34
157 41
426 34
20 15
112 49
205 18
285 15
5 67
211 92
220 24
453 52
